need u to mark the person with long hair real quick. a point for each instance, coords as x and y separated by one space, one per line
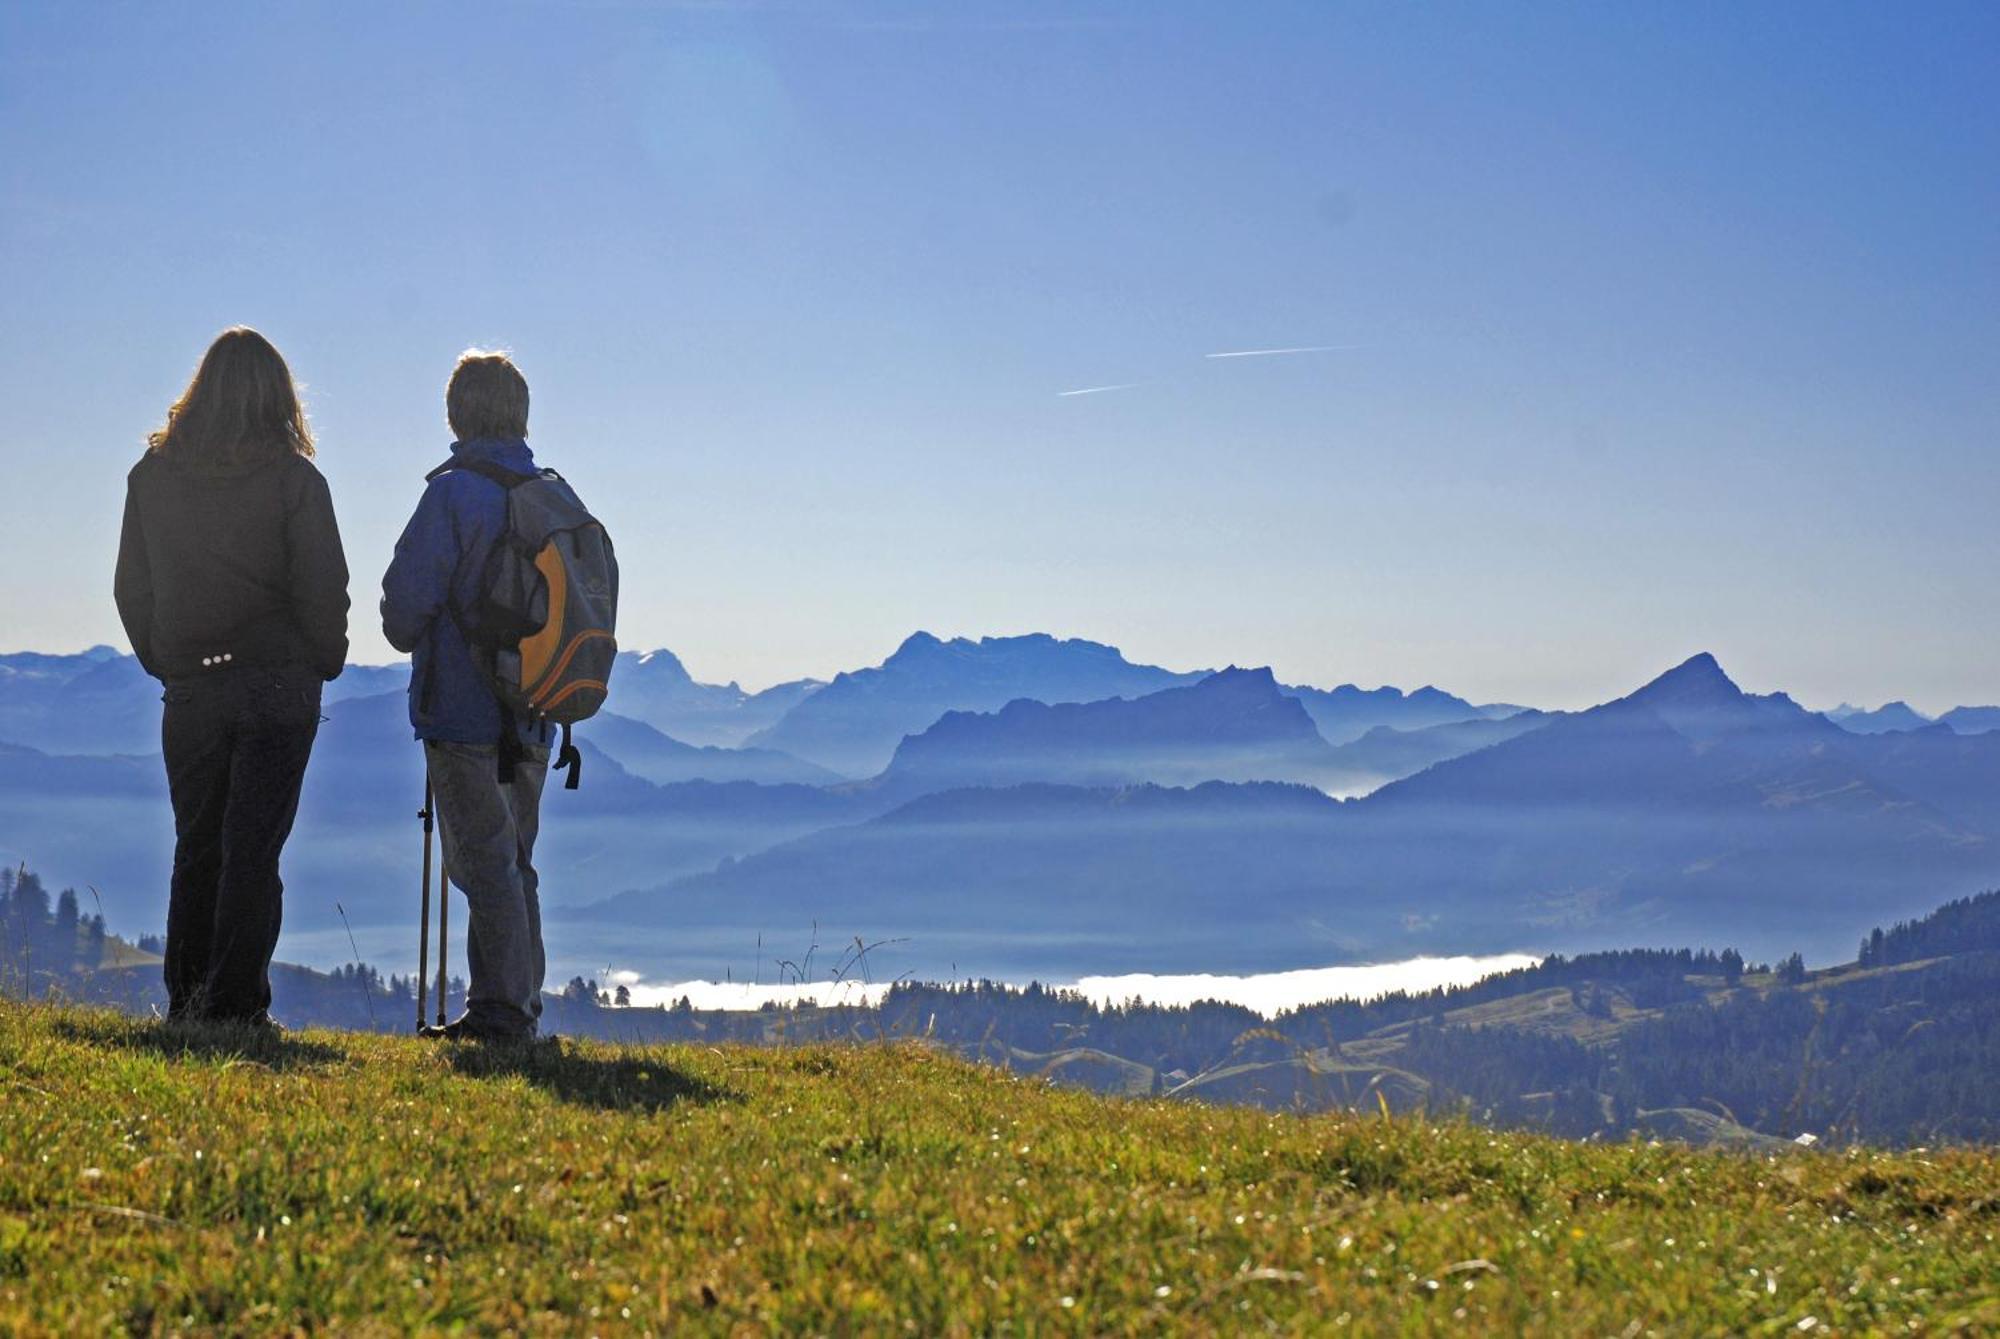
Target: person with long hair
232 587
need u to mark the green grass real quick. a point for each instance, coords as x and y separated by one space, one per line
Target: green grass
155 1181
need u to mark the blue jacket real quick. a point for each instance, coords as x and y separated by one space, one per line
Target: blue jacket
437 568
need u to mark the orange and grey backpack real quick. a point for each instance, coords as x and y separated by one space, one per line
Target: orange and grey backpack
545 629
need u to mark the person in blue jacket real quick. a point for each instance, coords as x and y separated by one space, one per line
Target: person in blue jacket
488 820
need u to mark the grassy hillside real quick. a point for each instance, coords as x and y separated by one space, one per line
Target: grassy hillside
211 1180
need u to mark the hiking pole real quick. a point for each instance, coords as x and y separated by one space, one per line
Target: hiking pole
424 921
444 920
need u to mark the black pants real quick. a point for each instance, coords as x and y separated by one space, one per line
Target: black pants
236 742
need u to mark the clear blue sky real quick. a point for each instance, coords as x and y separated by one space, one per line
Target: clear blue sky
1672 327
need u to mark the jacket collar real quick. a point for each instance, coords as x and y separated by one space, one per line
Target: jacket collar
510 453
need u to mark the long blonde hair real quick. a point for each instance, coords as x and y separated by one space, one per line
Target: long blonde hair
240 405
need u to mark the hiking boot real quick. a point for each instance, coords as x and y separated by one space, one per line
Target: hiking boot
463 1028
262 1024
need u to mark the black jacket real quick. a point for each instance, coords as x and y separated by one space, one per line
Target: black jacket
232 565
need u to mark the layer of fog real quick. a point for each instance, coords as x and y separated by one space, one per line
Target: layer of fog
1267 993
1271 993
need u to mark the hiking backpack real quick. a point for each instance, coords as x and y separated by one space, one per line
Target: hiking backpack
546 623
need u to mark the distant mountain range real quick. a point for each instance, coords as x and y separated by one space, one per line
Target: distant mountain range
1887 717
854 724
665 761
1972 720
1684 806
1385 754
1237 725
1131 818
98 701
1234 725
82 794
367 681
1346 713
1893 717
653 686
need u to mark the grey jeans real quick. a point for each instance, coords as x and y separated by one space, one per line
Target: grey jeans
489 850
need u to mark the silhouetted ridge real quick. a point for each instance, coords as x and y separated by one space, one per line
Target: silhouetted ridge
663 661
656 688
1346 713
1700 702
916 644
1888 718
855 723
1698 681
1972 720
1235 725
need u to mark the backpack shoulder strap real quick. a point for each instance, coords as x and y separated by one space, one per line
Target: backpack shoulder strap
499 474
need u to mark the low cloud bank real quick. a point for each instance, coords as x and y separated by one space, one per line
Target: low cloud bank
1271 993
1268 993
743 995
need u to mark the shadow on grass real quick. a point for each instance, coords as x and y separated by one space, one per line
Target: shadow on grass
202 1041
624 1083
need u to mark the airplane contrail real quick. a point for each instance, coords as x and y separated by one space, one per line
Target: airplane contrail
1099 390
1267 353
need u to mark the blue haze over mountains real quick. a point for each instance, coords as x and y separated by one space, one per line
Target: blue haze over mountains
1027 806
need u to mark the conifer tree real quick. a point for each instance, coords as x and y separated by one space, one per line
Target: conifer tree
65 928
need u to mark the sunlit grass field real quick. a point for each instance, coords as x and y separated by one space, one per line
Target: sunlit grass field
216 1181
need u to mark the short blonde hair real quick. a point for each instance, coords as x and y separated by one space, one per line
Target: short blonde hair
487 397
